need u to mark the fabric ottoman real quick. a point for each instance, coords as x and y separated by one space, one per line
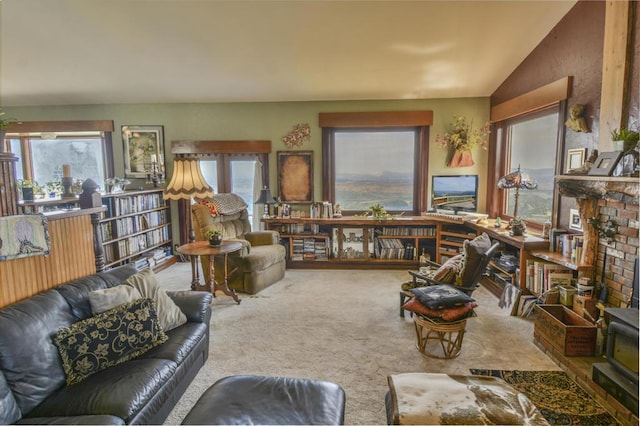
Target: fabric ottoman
250 400
447 399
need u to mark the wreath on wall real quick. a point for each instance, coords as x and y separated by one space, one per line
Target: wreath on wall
300 134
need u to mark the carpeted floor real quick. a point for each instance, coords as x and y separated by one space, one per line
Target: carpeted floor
344 326
560 400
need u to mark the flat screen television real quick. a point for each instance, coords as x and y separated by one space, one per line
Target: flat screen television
456 193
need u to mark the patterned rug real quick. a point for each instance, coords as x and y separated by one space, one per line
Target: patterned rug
560 400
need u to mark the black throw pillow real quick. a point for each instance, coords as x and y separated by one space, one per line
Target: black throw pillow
441 296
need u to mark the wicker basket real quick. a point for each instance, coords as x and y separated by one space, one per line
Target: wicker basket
438 338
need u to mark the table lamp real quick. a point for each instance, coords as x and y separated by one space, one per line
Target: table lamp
517 180
187 183
266 199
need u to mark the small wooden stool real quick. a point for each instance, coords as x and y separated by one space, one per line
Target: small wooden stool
448 333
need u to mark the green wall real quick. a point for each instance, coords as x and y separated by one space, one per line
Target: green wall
266 121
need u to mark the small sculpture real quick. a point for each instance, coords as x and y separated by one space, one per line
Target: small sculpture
337 211
576 121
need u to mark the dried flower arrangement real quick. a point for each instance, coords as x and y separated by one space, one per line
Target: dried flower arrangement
462 137
300 134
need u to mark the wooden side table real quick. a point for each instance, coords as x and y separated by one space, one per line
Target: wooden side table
202 248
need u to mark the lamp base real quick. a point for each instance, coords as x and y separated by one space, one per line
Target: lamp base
517 226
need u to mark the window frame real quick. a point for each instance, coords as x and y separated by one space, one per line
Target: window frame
418 121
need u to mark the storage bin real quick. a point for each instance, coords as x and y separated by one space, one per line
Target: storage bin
566 295
558 328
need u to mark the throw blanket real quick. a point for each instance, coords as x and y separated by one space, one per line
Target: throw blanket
23 235
436 398
228 203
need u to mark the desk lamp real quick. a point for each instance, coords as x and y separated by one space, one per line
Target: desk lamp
187 183
517 180
266 199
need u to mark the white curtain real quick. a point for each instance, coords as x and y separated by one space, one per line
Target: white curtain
257 186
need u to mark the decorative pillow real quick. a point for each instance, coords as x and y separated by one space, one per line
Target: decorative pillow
212 207
108 339
449 270
447 314
473 252
229 203
441 296
169 314
109 298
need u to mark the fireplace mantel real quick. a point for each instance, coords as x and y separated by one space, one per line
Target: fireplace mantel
624 189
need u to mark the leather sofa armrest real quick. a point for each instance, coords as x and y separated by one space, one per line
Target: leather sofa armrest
196 305
262 238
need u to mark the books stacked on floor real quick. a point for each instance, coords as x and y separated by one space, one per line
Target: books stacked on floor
141 263
155 257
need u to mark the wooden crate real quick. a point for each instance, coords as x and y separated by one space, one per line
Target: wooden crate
559 328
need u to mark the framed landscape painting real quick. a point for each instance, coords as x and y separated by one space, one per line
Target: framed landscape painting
142 146
295 176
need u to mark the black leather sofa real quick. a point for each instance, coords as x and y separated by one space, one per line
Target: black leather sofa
143 390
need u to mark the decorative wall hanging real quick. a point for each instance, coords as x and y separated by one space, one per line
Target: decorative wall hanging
576 121
461 139
24 235
143 150
300 134
295 177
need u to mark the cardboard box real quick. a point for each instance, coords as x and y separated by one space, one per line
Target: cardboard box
558 327
582 303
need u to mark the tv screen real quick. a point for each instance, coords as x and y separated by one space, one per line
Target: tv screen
457 193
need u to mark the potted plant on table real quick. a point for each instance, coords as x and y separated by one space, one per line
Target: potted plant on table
214 237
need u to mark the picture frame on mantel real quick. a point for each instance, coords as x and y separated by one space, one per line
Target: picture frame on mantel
605 163
575 158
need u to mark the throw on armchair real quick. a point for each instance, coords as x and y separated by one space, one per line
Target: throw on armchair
260 263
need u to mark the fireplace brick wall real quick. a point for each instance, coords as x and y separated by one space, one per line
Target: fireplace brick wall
621 252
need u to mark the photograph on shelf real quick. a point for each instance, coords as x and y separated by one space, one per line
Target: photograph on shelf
575 222
295 176
143 150
605 163
575 158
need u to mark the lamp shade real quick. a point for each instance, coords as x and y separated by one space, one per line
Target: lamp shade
265 196
187 181
517 179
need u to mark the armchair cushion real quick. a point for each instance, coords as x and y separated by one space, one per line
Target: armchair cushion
473 252
447 314
262 238
449 271
441 296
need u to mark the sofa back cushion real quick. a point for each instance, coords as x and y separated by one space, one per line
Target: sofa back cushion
76 293
28 358
9 410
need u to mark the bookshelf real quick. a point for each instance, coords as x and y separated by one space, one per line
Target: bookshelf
136 227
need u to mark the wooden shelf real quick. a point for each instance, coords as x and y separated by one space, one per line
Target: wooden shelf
556 257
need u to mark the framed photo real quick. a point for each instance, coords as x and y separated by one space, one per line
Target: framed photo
575 222
508 302
575 158
143 145
605 163
295 176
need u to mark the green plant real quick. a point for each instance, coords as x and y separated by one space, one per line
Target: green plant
212 233
462 137
378 212
6 122
630 137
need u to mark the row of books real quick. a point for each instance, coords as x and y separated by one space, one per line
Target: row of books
321 210
300 228
392 248
134 204
409 231
543 276
309 249
569 245
135 244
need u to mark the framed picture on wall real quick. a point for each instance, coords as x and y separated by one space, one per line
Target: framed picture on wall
295 176
575 222
143 145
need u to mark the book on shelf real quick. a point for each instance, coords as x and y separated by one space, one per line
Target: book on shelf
563 279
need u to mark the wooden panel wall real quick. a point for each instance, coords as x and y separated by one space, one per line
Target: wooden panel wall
71 256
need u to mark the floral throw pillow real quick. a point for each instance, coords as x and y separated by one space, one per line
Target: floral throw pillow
210 205
108 339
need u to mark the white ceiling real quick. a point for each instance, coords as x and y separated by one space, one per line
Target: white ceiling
66 52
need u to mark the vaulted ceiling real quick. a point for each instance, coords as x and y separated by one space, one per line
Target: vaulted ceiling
67 52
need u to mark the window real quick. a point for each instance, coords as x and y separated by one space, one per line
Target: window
44 157
531 143
373 158
375 167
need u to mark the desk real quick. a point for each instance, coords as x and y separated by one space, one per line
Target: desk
202 248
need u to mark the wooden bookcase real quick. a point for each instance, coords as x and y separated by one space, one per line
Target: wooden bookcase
135 226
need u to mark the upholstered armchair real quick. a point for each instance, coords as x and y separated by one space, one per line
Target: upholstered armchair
260 263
